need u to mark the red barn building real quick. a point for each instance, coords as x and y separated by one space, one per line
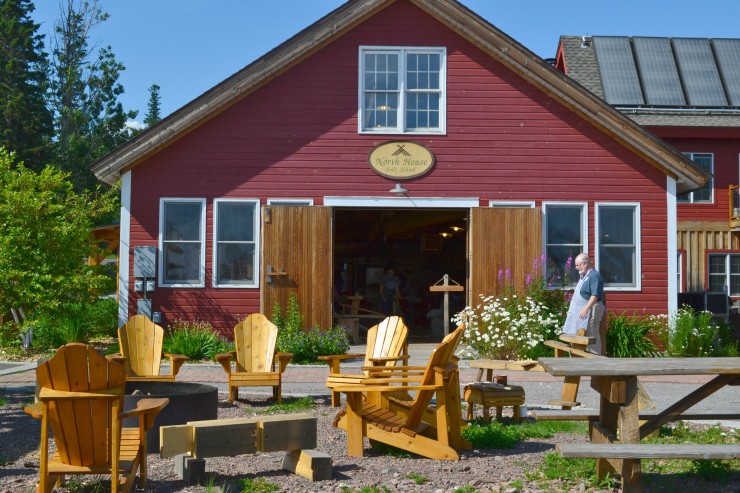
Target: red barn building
402 133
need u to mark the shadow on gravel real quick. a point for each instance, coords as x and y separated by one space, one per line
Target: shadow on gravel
14 423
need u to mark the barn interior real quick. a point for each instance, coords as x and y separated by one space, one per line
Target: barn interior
420 245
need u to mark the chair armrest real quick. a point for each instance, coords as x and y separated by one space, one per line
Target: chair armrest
177 360
394 369
147 409
225 360
348 388
334 360
117 358
46 394
387 359
283 360
34 410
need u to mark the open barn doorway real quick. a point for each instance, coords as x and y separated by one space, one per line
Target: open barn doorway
420 245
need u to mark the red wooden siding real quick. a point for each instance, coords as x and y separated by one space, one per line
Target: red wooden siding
297 137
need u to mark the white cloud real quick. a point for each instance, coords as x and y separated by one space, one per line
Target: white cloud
134 125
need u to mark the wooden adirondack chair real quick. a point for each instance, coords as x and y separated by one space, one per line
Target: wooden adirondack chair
377 420
81 399
140 342
386 346
255 339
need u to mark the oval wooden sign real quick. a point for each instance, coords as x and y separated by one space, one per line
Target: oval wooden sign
401 159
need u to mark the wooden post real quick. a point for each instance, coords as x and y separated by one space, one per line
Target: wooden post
446 288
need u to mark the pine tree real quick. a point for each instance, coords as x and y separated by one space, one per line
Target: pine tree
25 122
153 107
88 118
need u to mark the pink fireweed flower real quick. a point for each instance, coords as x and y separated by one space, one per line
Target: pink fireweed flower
529 279
501 275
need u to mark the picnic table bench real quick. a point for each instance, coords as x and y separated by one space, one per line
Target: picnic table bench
615 435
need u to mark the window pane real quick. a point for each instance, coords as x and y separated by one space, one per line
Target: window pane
717 264
561 266
235 263
235 222
182 262
616 225
182 221
618 266
564 225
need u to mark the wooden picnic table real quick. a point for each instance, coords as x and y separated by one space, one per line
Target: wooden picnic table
615 379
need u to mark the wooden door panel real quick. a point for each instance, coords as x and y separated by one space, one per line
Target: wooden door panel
298 242
501 239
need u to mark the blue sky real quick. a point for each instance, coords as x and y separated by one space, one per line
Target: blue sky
188 46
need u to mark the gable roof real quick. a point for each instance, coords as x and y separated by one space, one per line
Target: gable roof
659 81
456 17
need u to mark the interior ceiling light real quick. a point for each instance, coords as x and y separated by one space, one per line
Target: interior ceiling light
445 235
398 190
456 229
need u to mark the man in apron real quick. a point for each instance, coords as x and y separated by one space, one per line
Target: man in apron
587 306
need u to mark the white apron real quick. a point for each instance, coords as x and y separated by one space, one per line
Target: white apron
573 323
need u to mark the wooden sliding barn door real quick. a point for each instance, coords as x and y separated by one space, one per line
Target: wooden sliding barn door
501 239
297 258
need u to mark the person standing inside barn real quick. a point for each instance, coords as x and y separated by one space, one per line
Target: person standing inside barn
389 291
588 305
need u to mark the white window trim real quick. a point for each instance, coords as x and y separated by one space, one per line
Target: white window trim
255 267
290 201
124 243
584 227
672 244
691 200
638 243
403 203
400 129
524 204
202 273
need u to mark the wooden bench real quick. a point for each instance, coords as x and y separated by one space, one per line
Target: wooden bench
574 346
648 451
593 414
489 394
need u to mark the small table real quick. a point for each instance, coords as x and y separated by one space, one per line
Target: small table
615 379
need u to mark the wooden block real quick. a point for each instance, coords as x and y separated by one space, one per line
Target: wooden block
310 464
175 440
190 469
287 432
224 439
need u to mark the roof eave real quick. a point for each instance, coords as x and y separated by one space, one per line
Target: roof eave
458 18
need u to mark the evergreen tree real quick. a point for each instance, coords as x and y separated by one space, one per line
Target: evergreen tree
88 118
153 107
25 121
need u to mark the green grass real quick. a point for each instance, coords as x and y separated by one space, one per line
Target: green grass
259 485
716 470
289 405
573 472
507 434
417 478
2 401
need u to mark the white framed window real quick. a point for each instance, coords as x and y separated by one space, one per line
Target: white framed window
724 273
617 232
182 236
565 234
289 201
512 204
236 243
402 90
679 270
705 195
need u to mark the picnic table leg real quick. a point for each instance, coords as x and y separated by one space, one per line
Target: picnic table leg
629 432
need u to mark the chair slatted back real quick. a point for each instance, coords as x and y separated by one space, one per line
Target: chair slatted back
441 356
82 427
388 338
141 340
255 338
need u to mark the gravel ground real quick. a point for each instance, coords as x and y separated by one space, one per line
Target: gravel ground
487 470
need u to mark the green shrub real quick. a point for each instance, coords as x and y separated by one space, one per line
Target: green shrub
628 337
308 345
699 334
74 322
196 340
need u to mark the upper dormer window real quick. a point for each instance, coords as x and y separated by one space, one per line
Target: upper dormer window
402 90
